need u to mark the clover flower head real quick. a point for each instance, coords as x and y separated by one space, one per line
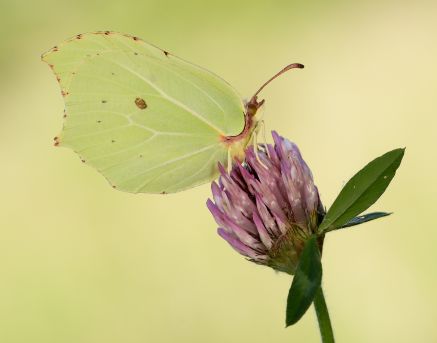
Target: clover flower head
268 206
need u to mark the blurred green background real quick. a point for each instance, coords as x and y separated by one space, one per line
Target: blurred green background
83 263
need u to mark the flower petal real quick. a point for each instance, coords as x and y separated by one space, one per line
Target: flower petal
263 234
235 243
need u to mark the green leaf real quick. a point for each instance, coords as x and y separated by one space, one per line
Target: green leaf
362 219
362 190
306 282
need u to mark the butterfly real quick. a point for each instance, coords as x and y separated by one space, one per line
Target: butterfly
147 120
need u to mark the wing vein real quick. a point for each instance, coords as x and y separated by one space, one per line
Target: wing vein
118 151
169 162
206 164
167 97
152 60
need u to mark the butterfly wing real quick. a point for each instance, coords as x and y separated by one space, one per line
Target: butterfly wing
148 121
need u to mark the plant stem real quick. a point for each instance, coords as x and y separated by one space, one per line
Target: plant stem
323 317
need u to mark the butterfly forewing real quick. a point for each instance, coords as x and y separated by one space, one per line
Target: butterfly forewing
147 120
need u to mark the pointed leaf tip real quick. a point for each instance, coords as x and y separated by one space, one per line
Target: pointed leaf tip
362 190
362 219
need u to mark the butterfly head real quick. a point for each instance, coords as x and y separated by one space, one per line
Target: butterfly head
237 144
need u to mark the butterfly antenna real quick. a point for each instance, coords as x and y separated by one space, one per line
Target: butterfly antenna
284 70
253 104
